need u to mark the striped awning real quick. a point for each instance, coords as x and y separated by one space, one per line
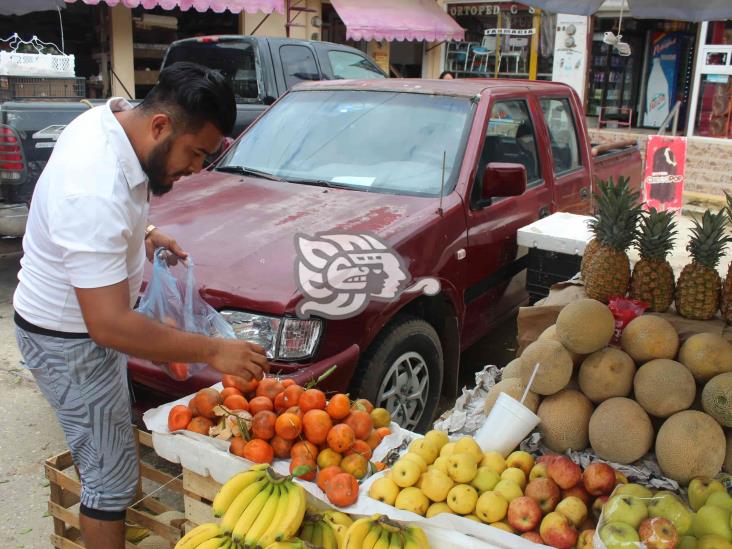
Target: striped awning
234 6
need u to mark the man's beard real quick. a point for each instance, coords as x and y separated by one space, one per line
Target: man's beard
155 168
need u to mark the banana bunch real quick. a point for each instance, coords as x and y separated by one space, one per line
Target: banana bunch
326 530
294 543
206 536
379 532
257 510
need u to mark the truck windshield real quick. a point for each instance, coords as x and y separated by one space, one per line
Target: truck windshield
234 59
400 143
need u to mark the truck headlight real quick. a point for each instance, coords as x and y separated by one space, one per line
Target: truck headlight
284 338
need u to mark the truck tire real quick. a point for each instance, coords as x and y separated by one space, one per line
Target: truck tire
402 372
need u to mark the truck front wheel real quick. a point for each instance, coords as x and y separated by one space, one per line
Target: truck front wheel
402 372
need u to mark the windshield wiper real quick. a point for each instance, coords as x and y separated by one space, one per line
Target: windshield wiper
325 183
243 170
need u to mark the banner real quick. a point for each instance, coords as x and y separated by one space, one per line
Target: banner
663 182
570 52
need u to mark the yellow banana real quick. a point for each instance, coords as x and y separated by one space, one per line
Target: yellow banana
265 518
337 517
250 514
307 532
240 503
372 536
292 519
290 544
274 527
198 535
339 531
213 543
418 535
383 542
317 534
232 488
357 532
329 540
395 540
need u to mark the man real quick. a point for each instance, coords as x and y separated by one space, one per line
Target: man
85 247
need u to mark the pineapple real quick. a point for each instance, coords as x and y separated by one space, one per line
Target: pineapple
594 244
653 277
697 290
608 268
726 297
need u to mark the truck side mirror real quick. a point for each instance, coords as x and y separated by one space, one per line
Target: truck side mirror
268 100
502 179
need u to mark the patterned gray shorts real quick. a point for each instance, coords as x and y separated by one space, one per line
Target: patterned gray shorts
87 387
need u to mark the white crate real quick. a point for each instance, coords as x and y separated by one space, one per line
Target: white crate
564 233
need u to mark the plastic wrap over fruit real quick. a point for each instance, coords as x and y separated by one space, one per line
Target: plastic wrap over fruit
179 305
624 310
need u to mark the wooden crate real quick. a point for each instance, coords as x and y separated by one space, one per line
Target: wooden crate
65 491
198 493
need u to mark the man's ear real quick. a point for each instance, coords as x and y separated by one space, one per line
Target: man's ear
160 126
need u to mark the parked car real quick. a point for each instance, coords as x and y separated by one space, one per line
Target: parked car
372 226
260 69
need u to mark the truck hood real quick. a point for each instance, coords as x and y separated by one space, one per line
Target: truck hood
240 231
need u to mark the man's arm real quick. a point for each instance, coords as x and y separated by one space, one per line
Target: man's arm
112 324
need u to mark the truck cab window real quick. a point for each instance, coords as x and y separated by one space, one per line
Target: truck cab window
351 66
298 63
562 134
510 138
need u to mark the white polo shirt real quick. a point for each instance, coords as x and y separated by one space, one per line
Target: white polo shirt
86 227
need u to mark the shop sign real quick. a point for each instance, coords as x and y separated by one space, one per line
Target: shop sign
509 32
663 182
456 10
570 52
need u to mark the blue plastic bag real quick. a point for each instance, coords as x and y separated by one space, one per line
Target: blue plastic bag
179 305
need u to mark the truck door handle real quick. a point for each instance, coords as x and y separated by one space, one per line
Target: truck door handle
584 193
543 211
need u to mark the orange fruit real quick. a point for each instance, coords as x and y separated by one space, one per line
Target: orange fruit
316 424
363 405
257 404
243 385
379 465
355 464
360 422
312 399
192 407
374 439
328 457
339 406
179 417
295 410
383 431
228 391
258 451
340 438
205 402
237 446
236 402
325 474
292 395
303 448
299 461
200 425
279 403
287 382
361 448
269 387
281 447
263 425
288 426
342 490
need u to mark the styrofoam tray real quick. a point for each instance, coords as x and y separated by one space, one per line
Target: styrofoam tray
560 232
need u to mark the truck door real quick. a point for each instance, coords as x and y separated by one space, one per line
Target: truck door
495 274
569 167
297 64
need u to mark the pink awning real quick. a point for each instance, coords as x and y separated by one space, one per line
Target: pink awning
397 20
234 6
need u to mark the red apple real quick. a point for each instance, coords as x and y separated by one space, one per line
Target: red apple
658 533
545 492
599 479
546 459
580 492
598 505
585 539
533 537
557 531
565 472
524 514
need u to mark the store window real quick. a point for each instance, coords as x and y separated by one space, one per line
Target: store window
299 64
714 101
498 41
562 134
347 65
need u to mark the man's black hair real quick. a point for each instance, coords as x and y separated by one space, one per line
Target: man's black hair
192 95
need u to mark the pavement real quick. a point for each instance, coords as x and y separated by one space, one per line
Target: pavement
30 433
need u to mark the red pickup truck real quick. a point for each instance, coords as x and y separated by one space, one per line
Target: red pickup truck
372 226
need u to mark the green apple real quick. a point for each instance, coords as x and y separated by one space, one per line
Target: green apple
700 489
712 520
491 507
436 485
509 490
637 490
720 499
713 542
687 542
667 505
628 509
619 535
485 479
462 467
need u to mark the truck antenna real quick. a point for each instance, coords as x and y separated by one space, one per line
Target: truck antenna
442 181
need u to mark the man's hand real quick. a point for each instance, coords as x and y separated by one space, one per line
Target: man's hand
158 239
240 358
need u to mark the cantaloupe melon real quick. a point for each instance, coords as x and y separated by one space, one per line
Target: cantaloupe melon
620 430
585 326
512 369
706 355
514 388
606 374
551 333
649 337
664 387
555 366
565 420
717 399
727 466
690 444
